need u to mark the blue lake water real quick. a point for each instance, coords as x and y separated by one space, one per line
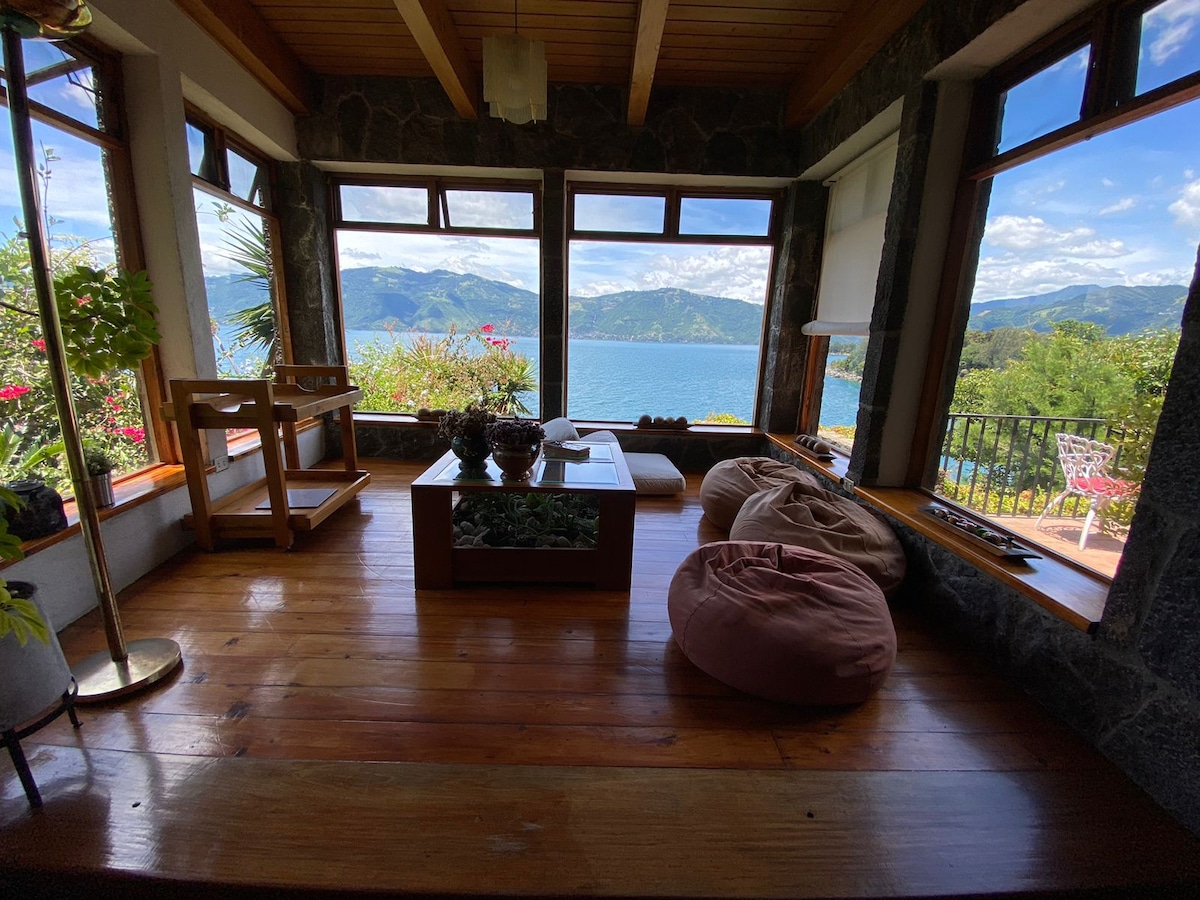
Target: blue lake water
620 380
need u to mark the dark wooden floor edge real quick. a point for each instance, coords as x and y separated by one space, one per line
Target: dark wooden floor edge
61 885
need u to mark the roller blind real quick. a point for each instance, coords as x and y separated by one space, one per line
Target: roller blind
858 204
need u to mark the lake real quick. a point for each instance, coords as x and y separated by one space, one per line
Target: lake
621 380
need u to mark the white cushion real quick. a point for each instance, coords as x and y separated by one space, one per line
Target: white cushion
601 437
653 473
560 429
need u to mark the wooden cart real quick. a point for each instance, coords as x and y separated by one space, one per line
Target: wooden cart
282 502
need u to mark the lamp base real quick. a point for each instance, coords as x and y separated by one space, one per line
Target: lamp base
150 660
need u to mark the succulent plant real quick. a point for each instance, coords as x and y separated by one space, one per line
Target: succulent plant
515 431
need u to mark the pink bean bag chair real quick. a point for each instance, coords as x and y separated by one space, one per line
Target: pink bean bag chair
784 623
810 516
727 485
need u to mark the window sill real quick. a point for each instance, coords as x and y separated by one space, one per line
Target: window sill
142 487
405 420
130 493
1073 594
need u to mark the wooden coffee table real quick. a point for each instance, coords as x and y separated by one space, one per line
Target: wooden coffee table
604 475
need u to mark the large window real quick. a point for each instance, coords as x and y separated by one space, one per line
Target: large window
83 175
440 293
667 289
1085 256
239 249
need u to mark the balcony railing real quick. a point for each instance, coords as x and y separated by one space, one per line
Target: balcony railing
1008 464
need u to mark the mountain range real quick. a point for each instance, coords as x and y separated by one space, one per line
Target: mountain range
1120 309
377 296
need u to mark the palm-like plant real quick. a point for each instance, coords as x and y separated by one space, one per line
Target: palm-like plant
247 244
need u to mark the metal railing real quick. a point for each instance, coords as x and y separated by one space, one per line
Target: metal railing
1009 464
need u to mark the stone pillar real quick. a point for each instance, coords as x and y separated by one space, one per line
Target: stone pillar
313 306
892 289
793 299
553 325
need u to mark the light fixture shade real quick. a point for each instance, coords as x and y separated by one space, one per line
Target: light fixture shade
514 78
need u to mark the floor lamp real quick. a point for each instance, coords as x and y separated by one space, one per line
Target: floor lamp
125 668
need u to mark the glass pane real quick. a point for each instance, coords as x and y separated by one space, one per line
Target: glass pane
1048 100
723 215
839 394
490 209
385 204
1075 316
439 321
665 330
1170 45
73 184
620 212
56 79
200 153
247 180
239 286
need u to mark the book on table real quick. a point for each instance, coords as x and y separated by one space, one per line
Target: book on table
565 450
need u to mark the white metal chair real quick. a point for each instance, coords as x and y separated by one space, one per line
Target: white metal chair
1085 464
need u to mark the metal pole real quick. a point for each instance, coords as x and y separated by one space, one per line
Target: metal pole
119 674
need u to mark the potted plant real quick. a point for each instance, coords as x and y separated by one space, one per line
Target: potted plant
34 673
466 430
99 481
515 445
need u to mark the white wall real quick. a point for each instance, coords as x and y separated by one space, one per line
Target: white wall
135 541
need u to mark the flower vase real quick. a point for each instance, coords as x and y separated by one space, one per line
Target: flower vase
472 453
515 460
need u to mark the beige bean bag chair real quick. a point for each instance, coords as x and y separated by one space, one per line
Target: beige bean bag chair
727 485
810 516
784 623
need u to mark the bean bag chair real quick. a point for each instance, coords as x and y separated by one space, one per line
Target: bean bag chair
810 516
784 623
727 484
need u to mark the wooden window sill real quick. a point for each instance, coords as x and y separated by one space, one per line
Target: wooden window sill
406 420
1070 592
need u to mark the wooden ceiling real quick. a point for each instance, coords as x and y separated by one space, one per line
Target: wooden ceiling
810 48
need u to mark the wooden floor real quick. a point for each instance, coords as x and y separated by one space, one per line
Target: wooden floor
333 731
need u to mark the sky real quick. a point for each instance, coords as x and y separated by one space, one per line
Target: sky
1122 208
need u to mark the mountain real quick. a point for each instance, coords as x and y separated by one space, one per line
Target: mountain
1120 309
431 301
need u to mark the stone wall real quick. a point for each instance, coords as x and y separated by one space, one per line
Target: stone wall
687 130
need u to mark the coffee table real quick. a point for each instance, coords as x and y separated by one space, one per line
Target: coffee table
604 475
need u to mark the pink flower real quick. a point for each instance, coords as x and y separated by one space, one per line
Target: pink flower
137 435
12 391
487 329
40 344
84 300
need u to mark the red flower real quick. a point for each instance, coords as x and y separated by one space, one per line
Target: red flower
84 300
40 344
137 435
487 329
12 391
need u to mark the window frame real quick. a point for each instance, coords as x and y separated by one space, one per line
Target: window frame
113 141
436 188
222 141
674 195
1108 104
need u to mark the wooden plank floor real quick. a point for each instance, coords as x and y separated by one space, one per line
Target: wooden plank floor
334 731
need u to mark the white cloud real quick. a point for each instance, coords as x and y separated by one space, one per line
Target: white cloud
510 260
597 288
1187 208
1008 276
1030 232
1171 25
1108 182
1125 203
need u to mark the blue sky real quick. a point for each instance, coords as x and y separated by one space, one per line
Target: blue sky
1122 208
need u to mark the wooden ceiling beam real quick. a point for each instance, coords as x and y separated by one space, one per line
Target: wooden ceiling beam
433 29
867 26
246 36
652 16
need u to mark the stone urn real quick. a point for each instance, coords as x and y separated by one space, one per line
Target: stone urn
41 512
35 675
515 460
472 452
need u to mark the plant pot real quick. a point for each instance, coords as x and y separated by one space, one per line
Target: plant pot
472 452
34 676
41 513
515 460
100 487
